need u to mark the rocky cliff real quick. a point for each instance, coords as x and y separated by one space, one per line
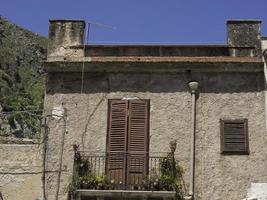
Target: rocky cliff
22 80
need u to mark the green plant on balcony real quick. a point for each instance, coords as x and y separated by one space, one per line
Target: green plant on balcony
166 177
169 177
84 176
90 181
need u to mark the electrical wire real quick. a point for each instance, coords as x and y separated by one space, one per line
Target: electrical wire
61 153
20 111
29 112
85 41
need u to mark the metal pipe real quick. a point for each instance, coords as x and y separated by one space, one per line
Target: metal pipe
193 88
265 82
44 157
61 153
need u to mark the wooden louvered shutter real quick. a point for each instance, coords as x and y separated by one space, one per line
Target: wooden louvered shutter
234 136
138 125
117 139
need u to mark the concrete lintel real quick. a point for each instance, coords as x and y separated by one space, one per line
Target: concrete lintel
155 59
153 67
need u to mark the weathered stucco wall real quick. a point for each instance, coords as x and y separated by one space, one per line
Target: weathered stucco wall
222 95
230 96
20 172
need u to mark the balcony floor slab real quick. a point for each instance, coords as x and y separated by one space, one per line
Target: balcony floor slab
124 194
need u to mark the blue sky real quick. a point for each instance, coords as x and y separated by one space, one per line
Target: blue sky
140 21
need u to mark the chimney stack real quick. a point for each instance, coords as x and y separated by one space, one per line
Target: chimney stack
244 37
64 34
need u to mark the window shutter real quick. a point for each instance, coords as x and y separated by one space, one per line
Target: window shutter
234 136
138 140
117 138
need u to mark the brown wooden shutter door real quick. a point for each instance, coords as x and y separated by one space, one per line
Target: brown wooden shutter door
117 139
138 125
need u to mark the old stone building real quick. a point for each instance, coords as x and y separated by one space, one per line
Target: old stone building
120 106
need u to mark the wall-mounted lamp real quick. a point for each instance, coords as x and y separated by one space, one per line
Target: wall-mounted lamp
193 85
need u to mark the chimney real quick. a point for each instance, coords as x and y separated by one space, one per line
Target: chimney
244 37
63 36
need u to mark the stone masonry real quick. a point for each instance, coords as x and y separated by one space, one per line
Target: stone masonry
20 171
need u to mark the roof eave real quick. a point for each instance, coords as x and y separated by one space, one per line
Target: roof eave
154 65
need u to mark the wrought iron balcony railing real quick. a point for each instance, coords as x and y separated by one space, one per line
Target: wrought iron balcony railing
122 170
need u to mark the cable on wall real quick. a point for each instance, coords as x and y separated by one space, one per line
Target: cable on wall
86 41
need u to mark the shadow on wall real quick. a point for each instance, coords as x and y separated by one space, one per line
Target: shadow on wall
154 82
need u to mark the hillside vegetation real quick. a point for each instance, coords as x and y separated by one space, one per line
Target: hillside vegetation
22 80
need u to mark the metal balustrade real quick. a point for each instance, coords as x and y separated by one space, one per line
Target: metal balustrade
117 170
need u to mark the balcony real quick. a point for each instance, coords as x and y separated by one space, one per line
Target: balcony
115 175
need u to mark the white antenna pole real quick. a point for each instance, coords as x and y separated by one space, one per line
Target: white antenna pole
89 23
101 25
86 41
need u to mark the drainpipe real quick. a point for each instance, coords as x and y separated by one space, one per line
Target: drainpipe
45 134
193 89
265 84
61 152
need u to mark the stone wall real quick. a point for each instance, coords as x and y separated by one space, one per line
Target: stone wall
222 96
20 171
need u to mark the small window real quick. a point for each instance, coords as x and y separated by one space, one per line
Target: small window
234 136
